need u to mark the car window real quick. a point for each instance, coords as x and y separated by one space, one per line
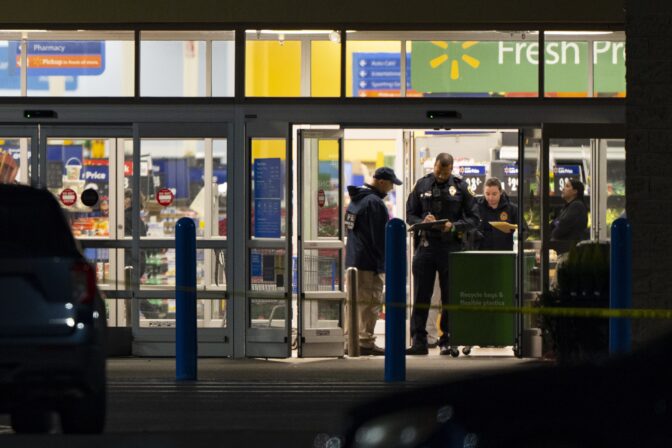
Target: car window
33 225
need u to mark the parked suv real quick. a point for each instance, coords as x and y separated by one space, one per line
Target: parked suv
52 319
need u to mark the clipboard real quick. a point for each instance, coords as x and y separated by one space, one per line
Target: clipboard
428 225
503 226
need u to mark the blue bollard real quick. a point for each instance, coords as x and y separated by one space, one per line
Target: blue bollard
185 313
395 301
620 286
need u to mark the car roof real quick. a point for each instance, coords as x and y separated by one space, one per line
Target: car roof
32 224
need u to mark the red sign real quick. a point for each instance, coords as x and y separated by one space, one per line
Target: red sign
68 196
165 197
321 198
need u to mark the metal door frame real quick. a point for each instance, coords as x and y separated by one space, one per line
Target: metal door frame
160 341
554 131
318 342
266 342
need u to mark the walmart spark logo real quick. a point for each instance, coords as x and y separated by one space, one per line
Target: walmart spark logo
455 62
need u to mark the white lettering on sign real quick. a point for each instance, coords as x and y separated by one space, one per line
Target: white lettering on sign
556 52
90 175
48 47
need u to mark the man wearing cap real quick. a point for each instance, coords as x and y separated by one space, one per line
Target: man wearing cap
438 196
365 221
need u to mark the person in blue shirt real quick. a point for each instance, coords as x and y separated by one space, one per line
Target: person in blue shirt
365 221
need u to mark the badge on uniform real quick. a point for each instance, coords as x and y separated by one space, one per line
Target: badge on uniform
503 216
452 190
350 219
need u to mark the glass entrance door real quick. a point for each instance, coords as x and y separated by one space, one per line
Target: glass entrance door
320 243
593 155
78 165
268 244
174 173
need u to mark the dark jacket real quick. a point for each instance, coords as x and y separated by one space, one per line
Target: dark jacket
365 221
450 200
570 226
505 211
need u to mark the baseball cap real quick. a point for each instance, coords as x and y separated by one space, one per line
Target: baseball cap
386 173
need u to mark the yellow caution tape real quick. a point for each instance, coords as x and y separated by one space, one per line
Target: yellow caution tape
555 311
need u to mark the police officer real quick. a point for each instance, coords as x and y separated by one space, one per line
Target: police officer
436 196
365 221
495 206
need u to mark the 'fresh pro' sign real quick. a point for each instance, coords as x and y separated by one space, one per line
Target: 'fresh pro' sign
511 67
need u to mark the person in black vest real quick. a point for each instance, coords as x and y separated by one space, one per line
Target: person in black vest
495 206
437 196
571 225
365 221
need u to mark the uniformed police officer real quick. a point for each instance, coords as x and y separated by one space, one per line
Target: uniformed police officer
436 196
495 206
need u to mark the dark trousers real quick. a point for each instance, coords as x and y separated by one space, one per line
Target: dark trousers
427 261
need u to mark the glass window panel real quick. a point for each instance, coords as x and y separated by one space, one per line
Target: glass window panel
118 312
443 64
159 312
372 68
325 68
10 73
609 67
322 270
477 67
322 314
273 68
73 63
220 178
615 182
268 270
328 217
277 63
172 68
268 204
223 72
174 63
15 160
171 167
268 313
76 167
569 66
158 267
104 262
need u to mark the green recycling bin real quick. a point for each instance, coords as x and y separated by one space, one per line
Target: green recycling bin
488 279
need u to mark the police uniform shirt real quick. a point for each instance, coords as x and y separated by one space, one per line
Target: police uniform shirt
450 200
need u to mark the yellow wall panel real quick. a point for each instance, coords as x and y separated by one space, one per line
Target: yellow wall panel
325 68
273 68
368 151
269 148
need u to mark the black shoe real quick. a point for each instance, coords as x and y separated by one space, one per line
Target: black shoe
433 344
371 351
417 349
452 351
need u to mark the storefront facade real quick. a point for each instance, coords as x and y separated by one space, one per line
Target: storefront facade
238 128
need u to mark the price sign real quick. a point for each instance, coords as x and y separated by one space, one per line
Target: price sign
474 176
565 173
165 197
510 180
68 197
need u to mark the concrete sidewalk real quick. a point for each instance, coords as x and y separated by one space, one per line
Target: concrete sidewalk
419 369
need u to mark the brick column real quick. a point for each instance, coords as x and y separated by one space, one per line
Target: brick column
649 158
